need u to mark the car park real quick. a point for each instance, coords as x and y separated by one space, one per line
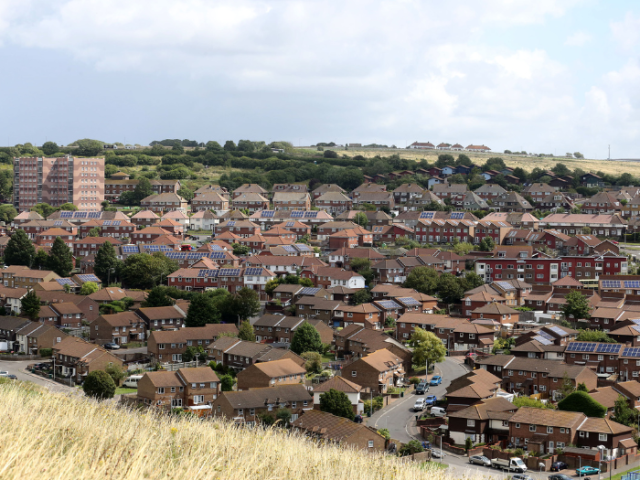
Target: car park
419 405
479 460
436 380
431 400
587 470
557 466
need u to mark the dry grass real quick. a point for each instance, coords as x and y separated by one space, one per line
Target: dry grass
55 436
527 163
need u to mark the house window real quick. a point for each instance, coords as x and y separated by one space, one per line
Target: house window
370 443
353 373
532 428
562 430
197 399
471 423
517 425
160 390
549 429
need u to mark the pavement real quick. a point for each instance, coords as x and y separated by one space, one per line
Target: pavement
19 369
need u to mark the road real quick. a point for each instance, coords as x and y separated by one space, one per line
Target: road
19 369
399 417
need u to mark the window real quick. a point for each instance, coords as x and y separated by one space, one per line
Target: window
602 437
532 428
160 390
471 423
549 429
517 425
353 373
562 430
581 434
370 443
198 399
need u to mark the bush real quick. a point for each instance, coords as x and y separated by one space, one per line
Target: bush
385 433
46 352
518 452
99 385
579 401
414 380
410 448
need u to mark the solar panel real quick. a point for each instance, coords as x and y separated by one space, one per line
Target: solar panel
267 213
228 272
543 340
88 278
310 214
130 249
231 223
116 223
253 271
106 223
545 335
297 214
631 352
611 283
632 284
309 291
95 214
57 223
427 214
66 214
289 248
608 348
409 301
290 224
457 215
66 281
572 347
80 214
636 328
388 304
302 247
207 273
505 285
218 255
558 330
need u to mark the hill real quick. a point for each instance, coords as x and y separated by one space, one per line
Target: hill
46 435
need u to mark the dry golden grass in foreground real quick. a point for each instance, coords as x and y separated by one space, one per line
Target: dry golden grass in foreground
50 436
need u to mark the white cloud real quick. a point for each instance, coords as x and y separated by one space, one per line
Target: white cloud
627 31
578 39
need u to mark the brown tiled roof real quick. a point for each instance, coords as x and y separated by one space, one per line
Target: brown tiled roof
198 375
193 333
165 379
547 417
66 308
382 360
338 383
632 386
330 427
280 368
603 425
122 319
605 396
259 397
159 313
489 408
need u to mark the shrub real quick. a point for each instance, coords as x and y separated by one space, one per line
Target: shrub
99 385
410 448
46 352
579 401
385 433
518 452
414 380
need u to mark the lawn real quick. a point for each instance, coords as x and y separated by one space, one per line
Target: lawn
125 390
328 357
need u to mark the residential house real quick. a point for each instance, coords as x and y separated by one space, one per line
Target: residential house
377 371
192 389
271 374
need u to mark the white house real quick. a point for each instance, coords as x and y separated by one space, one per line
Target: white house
178 216
203 220
12 299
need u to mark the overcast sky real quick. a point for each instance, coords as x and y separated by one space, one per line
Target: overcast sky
549 76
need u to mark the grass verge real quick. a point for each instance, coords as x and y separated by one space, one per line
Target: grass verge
125 390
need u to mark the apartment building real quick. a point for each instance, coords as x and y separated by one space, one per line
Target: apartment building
57 181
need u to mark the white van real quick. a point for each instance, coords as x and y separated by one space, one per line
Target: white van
438 411
132 381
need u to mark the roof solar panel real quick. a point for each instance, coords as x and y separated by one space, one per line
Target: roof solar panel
95 214
80 214
116 223
427 214
542 340
409 301
218 255
457 215
66 281
231 223
88 278
309 290
267 213
57 223
302 247
545 335
297 214
253 271
572 347
66 214
505 285
388 304
310 214
106 223
130 249
289 224
289 249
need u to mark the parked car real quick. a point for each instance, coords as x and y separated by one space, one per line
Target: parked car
12 377
521 476
438 411
422 388
419 405
436 380
4 373
111 346
559 476
471 355
430 400
557 466
437 453
587 471
479 460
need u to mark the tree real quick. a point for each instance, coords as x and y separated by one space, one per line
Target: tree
177 148
158 297
88 147
623 413
239 249
409 448
68 207
449 289
116 373
283 416
582 387
361 219
594 336
360 297
226 383
313 362
487 244
530 402
472 280
462 248
195 353
142 190
201 311
578 155
144 271
43 209
306 339
229 146
423 280
468 444
88 288
213 146
41 259
246 303
19 250
271 285
49 148
7 213
31 305
577 306
94 232
60 258
567 387
246 332
426 347
582 402
336 403
99 385
186 193
106 263
330 154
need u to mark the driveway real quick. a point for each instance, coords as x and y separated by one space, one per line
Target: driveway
399 417
19 369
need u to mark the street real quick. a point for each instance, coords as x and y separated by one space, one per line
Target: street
19 369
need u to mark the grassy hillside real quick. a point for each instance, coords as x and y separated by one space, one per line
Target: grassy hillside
527 163
55 436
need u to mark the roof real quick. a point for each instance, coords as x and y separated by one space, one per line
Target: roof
121 319
209 330
198 375
165 379
330 427
603 425
483 410
338 383
605 396
382 360
496 308
547 417
259 397
565 218
279 368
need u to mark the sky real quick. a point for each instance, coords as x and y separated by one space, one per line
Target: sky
545 76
